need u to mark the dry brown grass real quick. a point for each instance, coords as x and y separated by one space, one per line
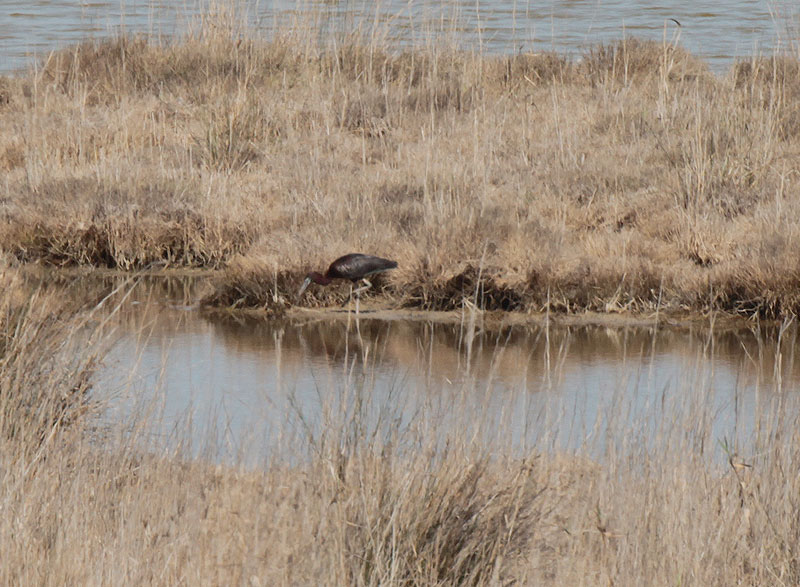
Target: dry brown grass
109 519
628 180
45 370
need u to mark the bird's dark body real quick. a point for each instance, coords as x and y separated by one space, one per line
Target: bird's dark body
356 266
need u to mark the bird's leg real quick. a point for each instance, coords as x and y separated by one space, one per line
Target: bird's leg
349 297
363 287
358 291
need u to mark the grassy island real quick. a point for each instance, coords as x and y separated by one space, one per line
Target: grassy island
629 179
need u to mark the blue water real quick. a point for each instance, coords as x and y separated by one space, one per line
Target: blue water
718 31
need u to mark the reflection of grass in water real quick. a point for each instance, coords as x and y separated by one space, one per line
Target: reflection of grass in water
631 179
367 496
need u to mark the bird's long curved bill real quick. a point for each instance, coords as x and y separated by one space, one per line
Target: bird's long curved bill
304 286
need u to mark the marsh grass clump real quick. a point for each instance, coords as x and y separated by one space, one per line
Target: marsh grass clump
245 284
529 69
80 221
45 371
231 133
456 526
779 72
639 61
109 69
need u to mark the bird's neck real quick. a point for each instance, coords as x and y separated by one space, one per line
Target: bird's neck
319 278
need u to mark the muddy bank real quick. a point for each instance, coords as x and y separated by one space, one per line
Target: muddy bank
196 289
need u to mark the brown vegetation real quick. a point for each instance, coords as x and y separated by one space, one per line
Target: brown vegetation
98 518
46 368
628 180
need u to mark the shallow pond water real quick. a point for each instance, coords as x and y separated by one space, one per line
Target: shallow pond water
717 31
243 388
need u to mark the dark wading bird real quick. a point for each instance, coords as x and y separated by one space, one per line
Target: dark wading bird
355 267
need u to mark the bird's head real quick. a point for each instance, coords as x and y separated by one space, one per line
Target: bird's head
312 276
